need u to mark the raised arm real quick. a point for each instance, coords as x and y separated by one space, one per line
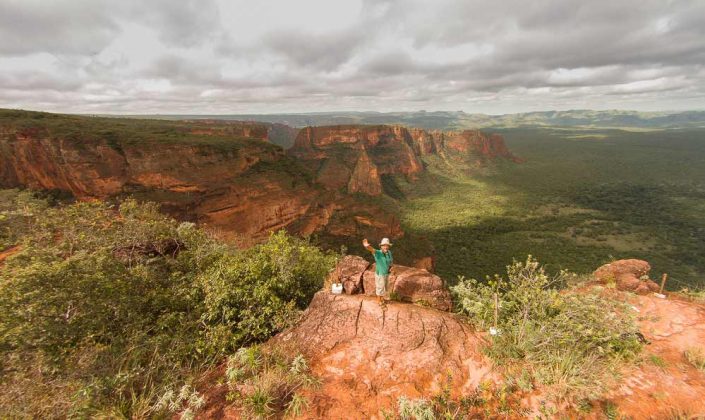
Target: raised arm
367 245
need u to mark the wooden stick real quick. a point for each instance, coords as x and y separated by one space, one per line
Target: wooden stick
496 309
663 282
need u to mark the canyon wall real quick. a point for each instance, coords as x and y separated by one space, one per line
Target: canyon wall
236 183
228 175
354 158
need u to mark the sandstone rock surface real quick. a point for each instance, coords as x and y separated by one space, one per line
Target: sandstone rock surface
227 174
349 272
630 275
367 357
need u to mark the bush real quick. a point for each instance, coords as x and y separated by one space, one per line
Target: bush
105 309
253 294
571 341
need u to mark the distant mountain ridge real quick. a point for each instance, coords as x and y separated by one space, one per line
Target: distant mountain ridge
458 120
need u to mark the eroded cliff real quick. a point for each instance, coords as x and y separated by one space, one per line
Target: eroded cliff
225 175
228 174
355 158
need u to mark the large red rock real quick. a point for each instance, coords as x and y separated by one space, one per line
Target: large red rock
349 272
367 356
355 157
414 285
365 177
468 145
630 275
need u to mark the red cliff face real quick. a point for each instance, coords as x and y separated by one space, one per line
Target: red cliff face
468 145
228 175
353 158
246 129
242 187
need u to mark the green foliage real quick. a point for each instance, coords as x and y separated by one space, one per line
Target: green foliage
570 341
253 294
266 382
695 294
611 411
118 132
104 309
187 401
17 210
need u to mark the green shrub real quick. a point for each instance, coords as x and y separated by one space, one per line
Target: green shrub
571 341
657 361
253 294
104 309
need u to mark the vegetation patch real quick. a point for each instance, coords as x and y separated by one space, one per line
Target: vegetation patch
487 400
696 357
268 382
569 342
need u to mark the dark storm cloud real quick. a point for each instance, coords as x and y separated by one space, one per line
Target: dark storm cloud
272 56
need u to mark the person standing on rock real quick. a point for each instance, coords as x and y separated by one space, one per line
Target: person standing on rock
383 266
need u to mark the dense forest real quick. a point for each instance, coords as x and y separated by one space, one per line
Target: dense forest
581 199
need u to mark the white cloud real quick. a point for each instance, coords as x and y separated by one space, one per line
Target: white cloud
240 56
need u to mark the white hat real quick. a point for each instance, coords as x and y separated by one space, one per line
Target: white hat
385 241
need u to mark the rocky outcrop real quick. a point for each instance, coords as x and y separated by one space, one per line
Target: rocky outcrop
280 134
629 275
349 271
247 129
367 356
405 283
227 174
414 285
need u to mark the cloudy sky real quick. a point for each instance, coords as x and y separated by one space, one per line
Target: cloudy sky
273 56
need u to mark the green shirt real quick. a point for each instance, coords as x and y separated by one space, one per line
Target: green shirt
383 261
